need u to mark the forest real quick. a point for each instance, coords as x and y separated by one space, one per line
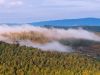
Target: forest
22 60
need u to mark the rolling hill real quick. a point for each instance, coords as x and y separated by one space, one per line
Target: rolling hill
70 22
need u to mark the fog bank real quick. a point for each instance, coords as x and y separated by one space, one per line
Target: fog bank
52 36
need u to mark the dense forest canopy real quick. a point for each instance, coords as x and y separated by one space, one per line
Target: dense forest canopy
22 60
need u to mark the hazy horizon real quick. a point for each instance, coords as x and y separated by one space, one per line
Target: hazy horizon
23 21
24 11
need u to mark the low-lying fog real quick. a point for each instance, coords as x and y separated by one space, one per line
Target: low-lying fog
43 38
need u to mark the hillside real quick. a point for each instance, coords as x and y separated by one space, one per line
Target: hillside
70 22
22 60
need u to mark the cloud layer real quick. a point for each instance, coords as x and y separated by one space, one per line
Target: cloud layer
31 36
10 2
50 9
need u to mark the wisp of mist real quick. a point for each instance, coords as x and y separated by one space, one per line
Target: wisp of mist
52 34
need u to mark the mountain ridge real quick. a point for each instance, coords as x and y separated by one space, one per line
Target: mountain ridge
70 22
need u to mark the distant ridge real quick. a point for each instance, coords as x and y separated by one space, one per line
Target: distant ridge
70 22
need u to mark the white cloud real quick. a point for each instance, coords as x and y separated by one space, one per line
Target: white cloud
72 3
11 3
51 9
15 3
2 2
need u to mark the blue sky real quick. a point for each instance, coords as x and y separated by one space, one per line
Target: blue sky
39 10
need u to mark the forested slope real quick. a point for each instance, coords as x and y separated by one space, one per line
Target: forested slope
21 60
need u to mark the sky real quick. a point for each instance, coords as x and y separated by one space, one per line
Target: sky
25 11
